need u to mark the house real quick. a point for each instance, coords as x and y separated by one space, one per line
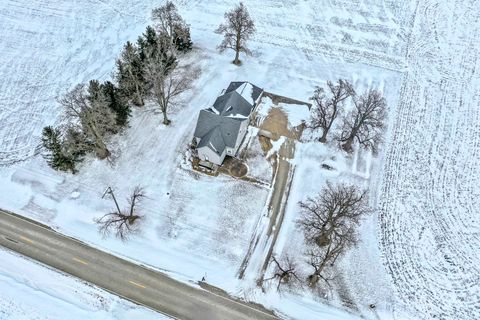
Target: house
221 128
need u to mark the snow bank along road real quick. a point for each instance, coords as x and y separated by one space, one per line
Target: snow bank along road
134 282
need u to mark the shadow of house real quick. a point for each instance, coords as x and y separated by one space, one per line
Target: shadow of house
221 128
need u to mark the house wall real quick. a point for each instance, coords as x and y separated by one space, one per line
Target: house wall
258 99
241 134
207 154
230 151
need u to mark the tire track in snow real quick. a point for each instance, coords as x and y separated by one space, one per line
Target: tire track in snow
429 205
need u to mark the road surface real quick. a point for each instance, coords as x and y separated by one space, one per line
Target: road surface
126 279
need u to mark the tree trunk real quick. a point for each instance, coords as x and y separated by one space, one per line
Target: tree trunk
323 138
100 148
237 55
166 121
347 146
237 48
138 101
102 152
313 280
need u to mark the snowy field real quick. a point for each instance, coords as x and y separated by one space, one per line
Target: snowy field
31 291
429 191
417 256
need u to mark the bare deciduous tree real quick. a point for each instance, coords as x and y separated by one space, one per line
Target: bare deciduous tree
122 223
329 221
332 213
365 123
93 117
284 271
168 82
327 108
169 23
320 259
237 29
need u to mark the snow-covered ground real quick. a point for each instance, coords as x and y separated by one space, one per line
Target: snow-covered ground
429 226
34 292
417 257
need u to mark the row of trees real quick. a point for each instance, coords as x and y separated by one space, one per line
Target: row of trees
93 113
363 124
146 70
328 221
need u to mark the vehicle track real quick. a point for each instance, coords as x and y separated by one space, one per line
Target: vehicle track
429 234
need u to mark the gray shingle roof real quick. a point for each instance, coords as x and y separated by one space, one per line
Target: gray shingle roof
214 140
256 92
218 126
232 104
211 127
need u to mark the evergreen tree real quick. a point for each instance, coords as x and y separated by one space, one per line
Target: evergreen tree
182 41
94 90
152 45
116 103
148 44
109 94
129 75
56 157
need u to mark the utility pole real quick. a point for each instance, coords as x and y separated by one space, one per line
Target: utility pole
110 192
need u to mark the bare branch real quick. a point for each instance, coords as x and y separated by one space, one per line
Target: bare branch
284 271
137 195
329 221
237 29
168 82
120 223
365 123
92 115
327 108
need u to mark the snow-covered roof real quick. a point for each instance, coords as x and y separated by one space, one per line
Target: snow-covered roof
218 126
250 92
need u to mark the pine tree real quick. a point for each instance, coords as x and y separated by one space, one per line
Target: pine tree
170 23
147 43
116 103
129 75
94 90
182 41
56 157
153 45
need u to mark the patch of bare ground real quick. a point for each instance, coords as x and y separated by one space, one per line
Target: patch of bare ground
197 167
233 167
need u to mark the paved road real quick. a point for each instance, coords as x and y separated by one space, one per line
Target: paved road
121 277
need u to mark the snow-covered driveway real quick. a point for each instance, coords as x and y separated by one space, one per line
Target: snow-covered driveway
430 195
